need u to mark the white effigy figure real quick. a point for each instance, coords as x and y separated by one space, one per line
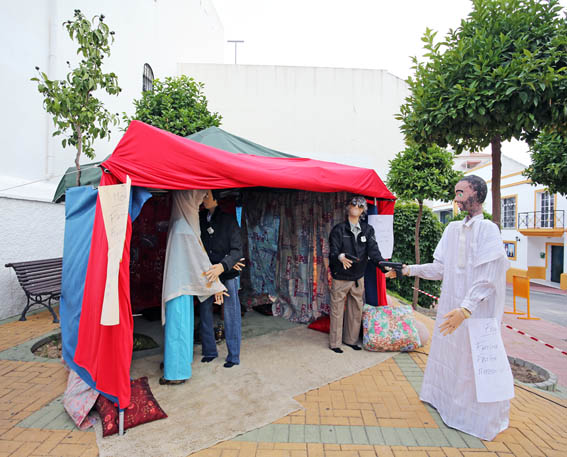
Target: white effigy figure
471 261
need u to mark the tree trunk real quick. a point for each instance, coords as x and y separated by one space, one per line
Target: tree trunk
417 256
496 172
78 156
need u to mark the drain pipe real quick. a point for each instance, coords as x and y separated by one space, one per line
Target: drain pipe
51 68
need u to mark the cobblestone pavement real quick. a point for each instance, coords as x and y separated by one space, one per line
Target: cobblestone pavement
376 412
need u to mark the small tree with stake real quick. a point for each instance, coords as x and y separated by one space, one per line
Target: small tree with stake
421 175
77 113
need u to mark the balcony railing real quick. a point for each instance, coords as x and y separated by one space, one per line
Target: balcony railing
541 220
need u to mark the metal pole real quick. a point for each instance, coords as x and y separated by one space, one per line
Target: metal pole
235 46
121 422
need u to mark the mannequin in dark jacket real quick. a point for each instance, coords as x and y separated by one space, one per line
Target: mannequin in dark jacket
351 244
220 234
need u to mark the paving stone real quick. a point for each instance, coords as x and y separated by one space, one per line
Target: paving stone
453 437
358 435
343 434
328 434
281 433
437 437
472 441
297 433
312 434
266 434
407 437
422 437
391 436
44 416
252 435
62 422
375 435
436 417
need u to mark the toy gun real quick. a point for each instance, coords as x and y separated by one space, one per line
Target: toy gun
351 257
393 266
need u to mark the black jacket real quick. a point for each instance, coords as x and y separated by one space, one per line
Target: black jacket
221 238
341 240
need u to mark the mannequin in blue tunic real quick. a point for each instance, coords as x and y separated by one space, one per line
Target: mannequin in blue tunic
185 264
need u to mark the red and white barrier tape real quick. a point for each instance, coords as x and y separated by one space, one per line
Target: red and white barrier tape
425 293
521 332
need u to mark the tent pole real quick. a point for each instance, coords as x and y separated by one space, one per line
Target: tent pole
121 422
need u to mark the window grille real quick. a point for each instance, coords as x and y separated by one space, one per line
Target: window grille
547 207
148 79
508 212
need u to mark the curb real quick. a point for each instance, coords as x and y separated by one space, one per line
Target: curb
549 384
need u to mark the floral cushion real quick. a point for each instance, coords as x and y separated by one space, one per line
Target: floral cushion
387 328
143 408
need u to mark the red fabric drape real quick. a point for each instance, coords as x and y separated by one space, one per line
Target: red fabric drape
106 351
158 159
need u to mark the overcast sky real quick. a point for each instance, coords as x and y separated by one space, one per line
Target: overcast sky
375 34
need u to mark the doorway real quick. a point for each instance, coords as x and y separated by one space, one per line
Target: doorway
557 253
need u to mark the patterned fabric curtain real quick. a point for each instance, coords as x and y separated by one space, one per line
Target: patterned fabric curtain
288 245
261 210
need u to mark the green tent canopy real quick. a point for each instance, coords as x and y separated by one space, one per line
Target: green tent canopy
212 136
90 176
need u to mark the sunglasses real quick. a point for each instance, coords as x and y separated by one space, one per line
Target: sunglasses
360 205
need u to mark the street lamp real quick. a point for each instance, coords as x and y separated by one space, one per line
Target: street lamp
235 46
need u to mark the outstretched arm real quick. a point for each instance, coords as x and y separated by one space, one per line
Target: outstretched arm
432 271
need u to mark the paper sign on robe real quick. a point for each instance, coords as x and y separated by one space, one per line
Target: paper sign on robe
492 373
383 225
114 202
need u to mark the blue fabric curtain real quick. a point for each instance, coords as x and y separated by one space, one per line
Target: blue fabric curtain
80 206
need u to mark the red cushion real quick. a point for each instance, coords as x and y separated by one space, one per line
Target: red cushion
143 408
108 415
323 324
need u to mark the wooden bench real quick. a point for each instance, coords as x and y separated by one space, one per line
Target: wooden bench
41 281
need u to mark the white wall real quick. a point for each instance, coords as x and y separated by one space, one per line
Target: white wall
160 33
30 231
335 114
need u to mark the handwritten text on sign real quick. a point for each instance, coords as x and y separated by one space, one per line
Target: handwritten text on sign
493 377
114 202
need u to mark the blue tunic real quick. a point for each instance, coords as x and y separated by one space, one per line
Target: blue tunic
179 327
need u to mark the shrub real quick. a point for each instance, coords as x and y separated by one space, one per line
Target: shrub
405 217
177 104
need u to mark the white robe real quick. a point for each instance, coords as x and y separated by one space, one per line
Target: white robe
471 261
185 258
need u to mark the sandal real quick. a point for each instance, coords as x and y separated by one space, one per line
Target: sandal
167 382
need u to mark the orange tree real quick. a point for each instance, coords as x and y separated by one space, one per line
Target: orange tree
549 162
501 74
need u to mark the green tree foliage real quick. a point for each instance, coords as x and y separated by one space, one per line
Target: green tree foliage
77 114
501 74
177 105
405 218
549 162
417 174
462 214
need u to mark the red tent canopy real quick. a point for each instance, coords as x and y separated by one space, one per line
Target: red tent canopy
157 159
